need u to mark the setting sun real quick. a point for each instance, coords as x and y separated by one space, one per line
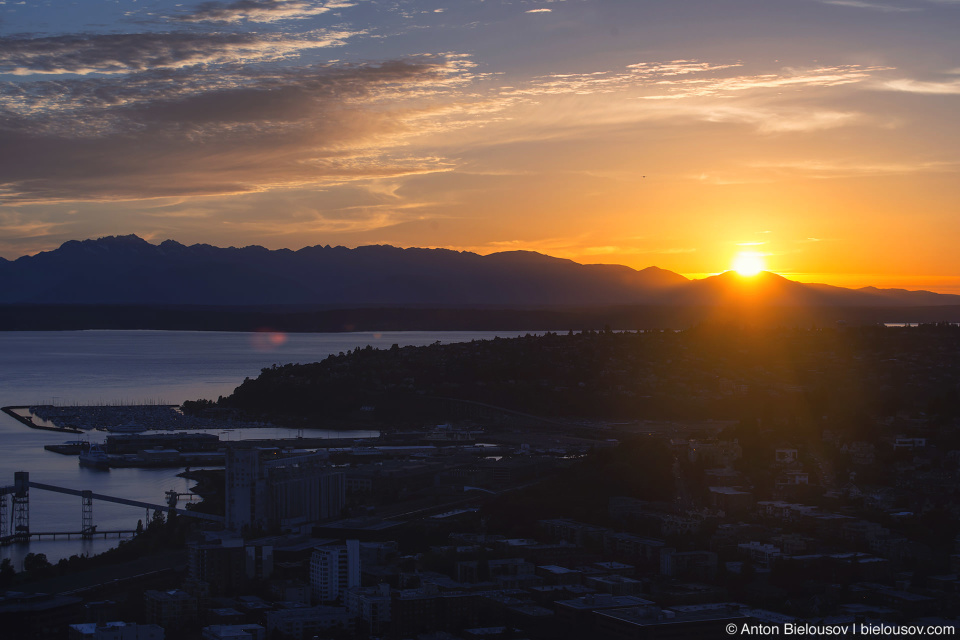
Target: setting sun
748 263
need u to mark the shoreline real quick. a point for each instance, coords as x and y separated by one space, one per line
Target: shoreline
312 319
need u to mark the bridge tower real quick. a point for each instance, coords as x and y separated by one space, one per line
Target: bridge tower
4 522
86 516
21 505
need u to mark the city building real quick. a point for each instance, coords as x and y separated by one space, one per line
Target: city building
730 500
173 610
637 548
786 456
761 555
334 569
615 585
234 632
115 631
903 442
307 622
269 492
650 621
414 611
576 616
37 615
575 532
714 452
216 567
688 565
370 606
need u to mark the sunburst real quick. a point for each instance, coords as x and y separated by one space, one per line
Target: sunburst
749 263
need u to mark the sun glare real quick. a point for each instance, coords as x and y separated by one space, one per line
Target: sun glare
748 263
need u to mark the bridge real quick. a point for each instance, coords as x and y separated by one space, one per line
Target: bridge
15 525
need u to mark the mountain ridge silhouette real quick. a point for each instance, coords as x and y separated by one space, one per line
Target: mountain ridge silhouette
131 270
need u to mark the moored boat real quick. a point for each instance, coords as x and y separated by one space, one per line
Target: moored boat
126 428
95 457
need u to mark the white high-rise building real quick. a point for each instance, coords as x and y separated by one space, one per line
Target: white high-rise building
334 569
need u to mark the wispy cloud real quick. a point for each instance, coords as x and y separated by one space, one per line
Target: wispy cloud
567 106
679 79
640 74
777 120
129 52
259 10
829 76
15 223
857 168
248 131
815 169
872 6
576 247
950 87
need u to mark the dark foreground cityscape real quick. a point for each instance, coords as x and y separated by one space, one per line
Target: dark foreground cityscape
716 482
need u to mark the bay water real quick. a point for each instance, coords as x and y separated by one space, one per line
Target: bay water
132 367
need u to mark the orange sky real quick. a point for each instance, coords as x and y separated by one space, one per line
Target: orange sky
819 133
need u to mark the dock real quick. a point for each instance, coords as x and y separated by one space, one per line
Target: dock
28 420
52 535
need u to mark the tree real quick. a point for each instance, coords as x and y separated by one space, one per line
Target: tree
35 562
156 522
7 573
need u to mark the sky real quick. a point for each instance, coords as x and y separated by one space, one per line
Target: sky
819 135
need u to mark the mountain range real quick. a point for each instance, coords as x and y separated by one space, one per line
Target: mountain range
128 270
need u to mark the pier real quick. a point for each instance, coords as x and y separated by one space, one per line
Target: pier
86 535
19 520
28 420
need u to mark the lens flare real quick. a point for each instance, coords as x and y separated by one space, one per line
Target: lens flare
267 339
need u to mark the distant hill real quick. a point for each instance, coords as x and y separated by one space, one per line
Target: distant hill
127 270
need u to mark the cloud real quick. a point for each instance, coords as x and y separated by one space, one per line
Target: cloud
544 10
873 6
951 87
639 74
17 224
570 106
689 78
205 114
257 130
259 10
579 248
787 78
127 52
781 120
857 168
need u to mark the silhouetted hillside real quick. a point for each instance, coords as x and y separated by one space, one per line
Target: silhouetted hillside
127 270
126 282
711 371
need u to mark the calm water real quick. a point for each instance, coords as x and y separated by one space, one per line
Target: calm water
125 367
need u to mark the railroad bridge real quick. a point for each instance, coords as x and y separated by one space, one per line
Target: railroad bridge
15 523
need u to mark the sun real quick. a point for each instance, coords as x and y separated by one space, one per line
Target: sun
748 263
